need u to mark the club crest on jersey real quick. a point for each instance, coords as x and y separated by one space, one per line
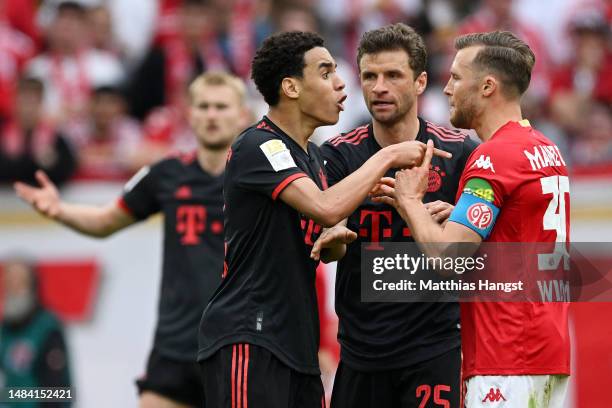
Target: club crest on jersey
484 163
479 215
434 181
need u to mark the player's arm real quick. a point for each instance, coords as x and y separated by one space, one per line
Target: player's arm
87 219
406 193
331 244
331 206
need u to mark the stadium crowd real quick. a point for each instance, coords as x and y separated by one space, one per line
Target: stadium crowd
95 90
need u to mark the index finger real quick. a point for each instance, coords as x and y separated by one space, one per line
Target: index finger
428 154
442 153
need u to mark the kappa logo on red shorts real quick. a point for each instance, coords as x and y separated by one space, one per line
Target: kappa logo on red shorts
480 215
494 396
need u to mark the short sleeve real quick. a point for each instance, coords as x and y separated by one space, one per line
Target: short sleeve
139 197
335 164
262 162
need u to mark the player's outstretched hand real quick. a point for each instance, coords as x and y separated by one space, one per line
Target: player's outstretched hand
439 210
409 183
44 199
411 153
337 235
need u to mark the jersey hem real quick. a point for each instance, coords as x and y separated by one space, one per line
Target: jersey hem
393 362
206 352
557 370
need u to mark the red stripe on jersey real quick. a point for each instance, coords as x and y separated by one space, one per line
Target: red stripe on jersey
233 381
446 132
281 186
355 140
122 204
246 376
264 125
239 385
354 137
454 132
445 138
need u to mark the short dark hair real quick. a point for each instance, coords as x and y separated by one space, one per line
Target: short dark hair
503 54
280 56
28 83
71 7
395 37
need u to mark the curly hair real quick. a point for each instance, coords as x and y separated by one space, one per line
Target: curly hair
280 56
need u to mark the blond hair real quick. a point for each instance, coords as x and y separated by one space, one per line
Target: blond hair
219 78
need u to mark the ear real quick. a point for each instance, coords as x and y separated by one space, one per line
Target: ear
246 117
421 83
489 85
291 87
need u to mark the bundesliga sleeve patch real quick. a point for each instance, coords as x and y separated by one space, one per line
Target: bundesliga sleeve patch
277 154
476 213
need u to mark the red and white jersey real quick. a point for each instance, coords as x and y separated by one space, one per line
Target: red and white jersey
531 189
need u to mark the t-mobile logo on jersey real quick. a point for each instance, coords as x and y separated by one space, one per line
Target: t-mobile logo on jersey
380 223
191 222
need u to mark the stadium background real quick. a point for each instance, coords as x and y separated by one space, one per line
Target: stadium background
106 291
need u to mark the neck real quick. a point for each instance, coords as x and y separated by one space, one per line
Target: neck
405 130
212 161
293 123
495 117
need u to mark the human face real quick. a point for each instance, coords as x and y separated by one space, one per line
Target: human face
462 90
321 94
389 86
216 115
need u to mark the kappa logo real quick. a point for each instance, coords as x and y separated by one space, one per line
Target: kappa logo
494 396
484 163
479 215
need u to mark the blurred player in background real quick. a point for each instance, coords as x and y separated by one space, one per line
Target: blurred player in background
32 346
259 335
515 189
187 189
391 349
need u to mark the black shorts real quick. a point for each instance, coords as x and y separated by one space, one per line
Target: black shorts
434 383
179 381
249 376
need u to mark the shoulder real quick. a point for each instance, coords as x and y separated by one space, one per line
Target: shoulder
258 138
446 135
349 139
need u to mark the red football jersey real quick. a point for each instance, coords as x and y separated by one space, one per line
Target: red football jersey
531 188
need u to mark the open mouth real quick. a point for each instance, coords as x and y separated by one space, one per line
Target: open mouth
340 102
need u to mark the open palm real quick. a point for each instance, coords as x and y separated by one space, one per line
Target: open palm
44 199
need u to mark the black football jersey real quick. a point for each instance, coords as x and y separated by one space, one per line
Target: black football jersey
191 201
267 296
378 335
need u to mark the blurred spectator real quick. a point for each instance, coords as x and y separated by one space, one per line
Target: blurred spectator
103 38
71 68
587 77
166 129
169 66
593 144
15 50
30 142
32 347
108 142
20 14
499 15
